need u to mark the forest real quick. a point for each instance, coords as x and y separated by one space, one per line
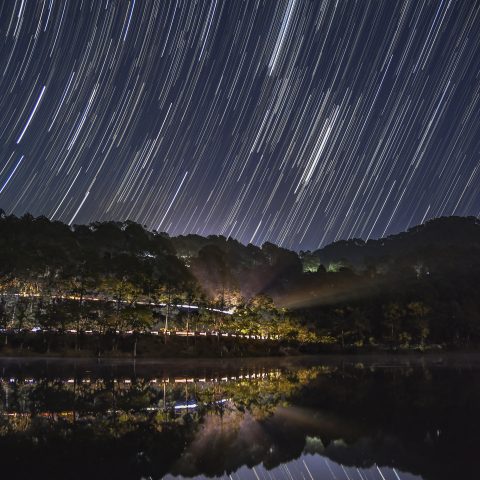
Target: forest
112 280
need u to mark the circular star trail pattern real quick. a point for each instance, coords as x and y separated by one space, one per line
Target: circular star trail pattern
297 122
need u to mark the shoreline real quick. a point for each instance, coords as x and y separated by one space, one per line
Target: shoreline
238 352
58 345
185 366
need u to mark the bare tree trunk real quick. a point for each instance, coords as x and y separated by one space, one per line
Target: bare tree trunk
79 318
188 319
167 315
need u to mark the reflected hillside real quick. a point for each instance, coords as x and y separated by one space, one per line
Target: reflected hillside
133 421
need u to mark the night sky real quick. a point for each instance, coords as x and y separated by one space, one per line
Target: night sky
298 122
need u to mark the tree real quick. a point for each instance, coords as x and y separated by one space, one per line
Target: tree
340 323
419 311
393 315
139 319
360 324
4 317
264 313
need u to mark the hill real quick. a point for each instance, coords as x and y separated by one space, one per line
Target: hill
438 234
411 289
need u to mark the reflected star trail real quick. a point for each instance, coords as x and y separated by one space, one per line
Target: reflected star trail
297 122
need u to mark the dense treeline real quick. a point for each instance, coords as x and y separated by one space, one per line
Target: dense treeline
111 278
416 288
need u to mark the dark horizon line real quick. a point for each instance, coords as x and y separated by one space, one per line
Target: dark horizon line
3 213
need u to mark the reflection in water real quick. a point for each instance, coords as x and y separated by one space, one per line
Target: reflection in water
311 418
313 466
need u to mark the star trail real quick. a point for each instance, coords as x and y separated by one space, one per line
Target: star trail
298 122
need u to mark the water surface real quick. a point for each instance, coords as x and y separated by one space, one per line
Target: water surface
372 417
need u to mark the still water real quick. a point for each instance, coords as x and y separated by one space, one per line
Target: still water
339 418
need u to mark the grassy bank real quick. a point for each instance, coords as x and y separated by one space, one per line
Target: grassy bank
71 345
152 346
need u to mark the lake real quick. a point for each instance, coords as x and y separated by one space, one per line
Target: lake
333 417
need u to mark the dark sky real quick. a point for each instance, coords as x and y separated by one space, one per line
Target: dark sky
298 122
